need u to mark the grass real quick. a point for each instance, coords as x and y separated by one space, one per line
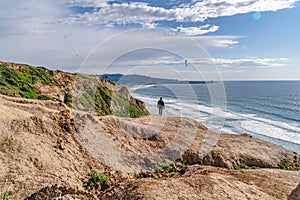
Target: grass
22 82
134 111
285 165
200 162
166 167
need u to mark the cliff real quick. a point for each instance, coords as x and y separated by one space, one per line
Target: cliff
75 136
79 91
48 151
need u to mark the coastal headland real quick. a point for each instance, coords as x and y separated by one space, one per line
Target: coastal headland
53 148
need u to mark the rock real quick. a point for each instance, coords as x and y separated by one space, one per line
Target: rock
124 92
66 197
295 195
206 183
230 151
57 192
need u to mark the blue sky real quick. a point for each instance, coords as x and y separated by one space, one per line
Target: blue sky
221 39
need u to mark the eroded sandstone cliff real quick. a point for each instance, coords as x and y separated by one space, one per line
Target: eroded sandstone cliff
48 151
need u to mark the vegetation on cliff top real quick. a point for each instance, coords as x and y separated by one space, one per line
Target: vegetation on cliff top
19 80
22 82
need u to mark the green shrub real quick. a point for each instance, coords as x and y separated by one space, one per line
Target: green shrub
289 166
245 166
97 182
167 169
172 174
28 92
68 99
45 97
6 194
200 162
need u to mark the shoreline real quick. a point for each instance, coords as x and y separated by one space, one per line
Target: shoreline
262 128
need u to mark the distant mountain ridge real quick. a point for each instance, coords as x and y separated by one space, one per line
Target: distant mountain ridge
144 80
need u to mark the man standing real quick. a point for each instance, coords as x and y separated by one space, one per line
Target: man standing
160 105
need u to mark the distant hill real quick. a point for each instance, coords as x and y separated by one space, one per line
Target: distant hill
143 80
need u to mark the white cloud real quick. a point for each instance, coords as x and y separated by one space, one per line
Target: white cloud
87 3
123 13
223 41
29 35
150 25
240 63
197 30
141 13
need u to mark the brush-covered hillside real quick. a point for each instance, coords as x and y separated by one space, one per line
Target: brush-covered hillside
78 91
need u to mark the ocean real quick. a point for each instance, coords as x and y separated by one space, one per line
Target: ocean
268 110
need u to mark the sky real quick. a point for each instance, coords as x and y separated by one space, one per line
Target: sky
219 39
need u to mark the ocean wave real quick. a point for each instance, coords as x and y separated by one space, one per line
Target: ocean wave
247 122
271 131
136 87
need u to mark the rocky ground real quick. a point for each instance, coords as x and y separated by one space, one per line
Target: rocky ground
48 151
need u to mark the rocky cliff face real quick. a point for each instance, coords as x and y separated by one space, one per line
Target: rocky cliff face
82 92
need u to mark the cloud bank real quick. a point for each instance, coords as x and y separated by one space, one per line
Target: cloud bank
199 11
61 33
